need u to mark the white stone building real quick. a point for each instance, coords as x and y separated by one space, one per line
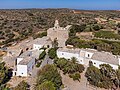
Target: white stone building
84 56
42 42
25 61
24 66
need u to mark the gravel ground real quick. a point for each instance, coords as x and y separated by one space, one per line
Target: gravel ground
69 84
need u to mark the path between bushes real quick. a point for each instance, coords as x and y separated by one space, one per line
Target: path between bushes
69 84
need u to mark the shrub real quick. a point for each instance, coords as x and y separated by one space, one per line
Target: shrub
52 53
4 74
70 67
103 77
75 76
42 55
38 64
49 73
107 35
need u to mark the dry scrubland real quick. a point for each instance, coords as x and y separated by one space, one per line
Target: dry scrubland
16 25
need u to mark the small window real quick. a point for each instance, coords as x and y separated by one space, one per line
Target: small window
94 63
80 60
15 73
62 53
88 55
22 73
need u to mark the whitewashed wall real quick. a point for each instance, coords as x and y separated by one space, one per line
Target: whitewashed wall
22 70
119 60
85 59
81 60
88 55
18 60
97 63
67 55
37 47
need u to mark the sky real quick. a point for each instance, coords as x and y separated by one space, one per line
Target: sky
73 4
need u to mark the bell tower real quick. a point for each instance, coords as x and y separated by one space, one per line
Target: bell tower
56 25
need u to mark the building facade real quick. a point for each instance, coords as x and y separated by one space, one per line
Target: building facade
84 56
26 61
24 66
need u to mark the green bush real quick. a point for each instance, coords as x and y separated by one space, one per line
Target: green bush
49 73
107 35
103 77
42 55
52 53
38 64
100 45
70 67
75 76
4 74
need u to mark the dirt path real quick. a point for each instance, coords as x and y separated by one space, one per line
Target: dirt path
69 84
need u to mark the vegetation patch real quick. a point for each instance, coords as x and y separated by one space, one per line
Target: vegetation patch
5 75
40 35
100 45
70 67
49 75
52 53
42 55
105 77
107 35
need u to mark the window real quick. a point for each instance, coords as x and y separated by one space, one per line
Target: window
80 60
88 55
62 53
15 73
94 63
22 73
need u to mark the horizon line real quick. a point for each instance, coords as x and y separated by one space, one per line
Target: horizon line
61 8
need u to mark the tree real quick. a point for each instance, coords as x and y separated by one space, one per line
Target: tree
61 63
55 43
3 87
4 74
42 55
107 70
76 28
49 73
93 75
96 27
75 76
70 67
47 85
52 53
74 60
105 77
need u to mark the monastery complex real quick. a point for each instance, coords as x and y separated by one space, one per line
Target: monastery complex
22 59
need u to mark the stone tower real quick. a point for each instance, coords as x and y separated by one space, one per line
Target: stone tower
59 33
56 25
